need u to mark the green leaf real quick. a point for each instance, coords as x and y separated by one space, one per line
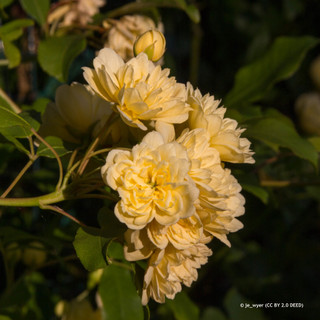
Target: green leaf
193 13
56 54
13 124
110 225
183 308
9 32
12 53
277 132
115 251
212 313
16 142
278 63
13 29
315 141
257 191
56 144
90 249
4 102
235 305
36 9
119 295
5 3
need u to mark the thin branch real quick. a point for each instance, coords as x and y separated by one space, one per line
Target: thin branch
55 154
64 213
72 158
31 146
19 176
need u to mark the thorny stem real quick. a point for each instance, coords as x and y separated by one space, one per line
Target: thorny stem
19 176
55 154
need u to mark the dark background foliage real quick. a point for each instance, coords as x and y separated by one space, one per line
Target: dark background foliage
275 257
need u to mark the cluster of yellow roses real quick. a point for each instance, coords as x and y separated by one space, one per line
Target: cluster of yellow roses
175 193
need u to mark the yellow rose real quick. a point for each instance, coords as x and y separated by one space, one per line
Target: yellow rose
140 90
220 201
168 268
77 112
70 12
152 181
123 33
152 43
223 132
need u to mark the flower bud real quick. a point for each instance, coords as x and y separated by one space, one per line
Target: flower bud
152 43
315 72
34 254
307 108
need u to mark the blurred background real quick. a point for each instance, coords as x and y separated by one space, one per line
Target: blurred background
275 257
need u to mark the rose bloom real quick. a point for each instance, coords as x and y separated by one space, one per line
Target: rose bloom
152 181
223 132
123 33
169 268
79 11
220 201
140 90
77 113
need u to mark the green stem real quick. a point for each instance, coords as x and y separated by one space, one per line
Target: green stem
18 177
50 198
55 154
64 213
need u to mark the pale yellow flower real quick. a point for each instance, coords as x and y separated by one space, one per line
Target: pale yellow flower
71 12
124 32
77 112
152 181
169 268
140 90
223 132
220 201
152 43
183 234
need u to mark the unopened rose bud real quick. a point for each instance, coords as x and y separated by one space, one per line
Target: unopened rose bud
152 43
34 254
315 72
307 108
